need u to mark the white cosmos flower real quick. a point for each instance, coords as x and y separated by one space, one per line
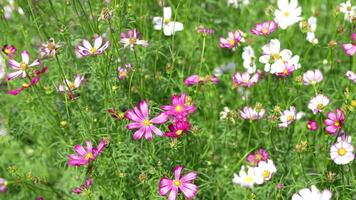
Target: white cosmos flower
289 116
309 27
288 13
348 10
312 77
266 169
318 103
248 179
312 194
248 55
273 57
169 26
342 152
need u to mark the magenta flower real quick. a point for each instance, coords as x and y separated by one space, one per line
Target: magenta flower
9 50
312 125
257 156
335 121
350 48
141 121
3 185
177 129
233 40
86 185
266 28
37 77
171 187
21 67
85 156
88 50
245 79
132 38
180 106
192 80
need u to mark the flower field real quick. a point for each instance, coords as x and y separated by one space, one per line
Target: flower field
184 99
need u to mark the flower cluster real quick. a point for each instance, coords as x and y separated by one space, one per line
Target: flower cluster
196 79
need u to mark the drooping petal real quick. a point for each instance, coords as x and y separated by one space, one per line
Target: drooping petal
160 119
189 190
156 130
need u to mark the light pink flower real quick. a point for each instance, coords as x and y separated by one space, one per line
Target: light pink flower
88 50
69 85
140 117
171 187
350 48
233 40
196 79
312 77
245 79
259 155
335 121
266 28
84 156
318 103
252 113
289 116
351 75
122 72
21 67
132 38
3 185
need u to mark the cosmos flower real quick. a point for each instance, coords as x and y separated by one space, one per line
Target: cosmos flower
177 129
249 58
351 75
245 79
350 48
335 121
132 38
141 121
312 125
252 113
205 31
85 186
9 50
169 26
2 68
318 103
273 57
342 152
69 85
287 68
264 29
180 106
312 77
257 156
309 27
288 13
21 67
248 179
10 8
289 116
88 50
122 72
171 187
312 194
36 78
3 185
50 48
196 79
265 169
233 40
85 156
348 10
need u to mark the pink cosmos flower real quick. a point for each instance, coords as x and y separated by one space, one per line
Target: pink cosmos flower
9 50
318 103
287 70
312 125
34 80
140 117
350 48
351 75
335 121
252 113
177 129
233 40
21 67
180 106
289 116
132 38
3 185
245 79
171 187
205 31
88 50
196 79
266 28
123 71
86 185
259 155
312 77
69 85
85 156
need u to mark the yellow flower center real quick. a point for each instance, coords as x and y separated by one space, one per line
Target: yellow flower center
166 21
89 156
286 13
25 85
232 42
146 122
290 118
23 66
266 174
92 50
179 108
264 31
285 71
51 46
320 106
123 74
348 8
71 85
308 126
258 157
5 183
248 179
341 151
276 56
132 40
176 183
7 51
245 81
337 123
179 132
